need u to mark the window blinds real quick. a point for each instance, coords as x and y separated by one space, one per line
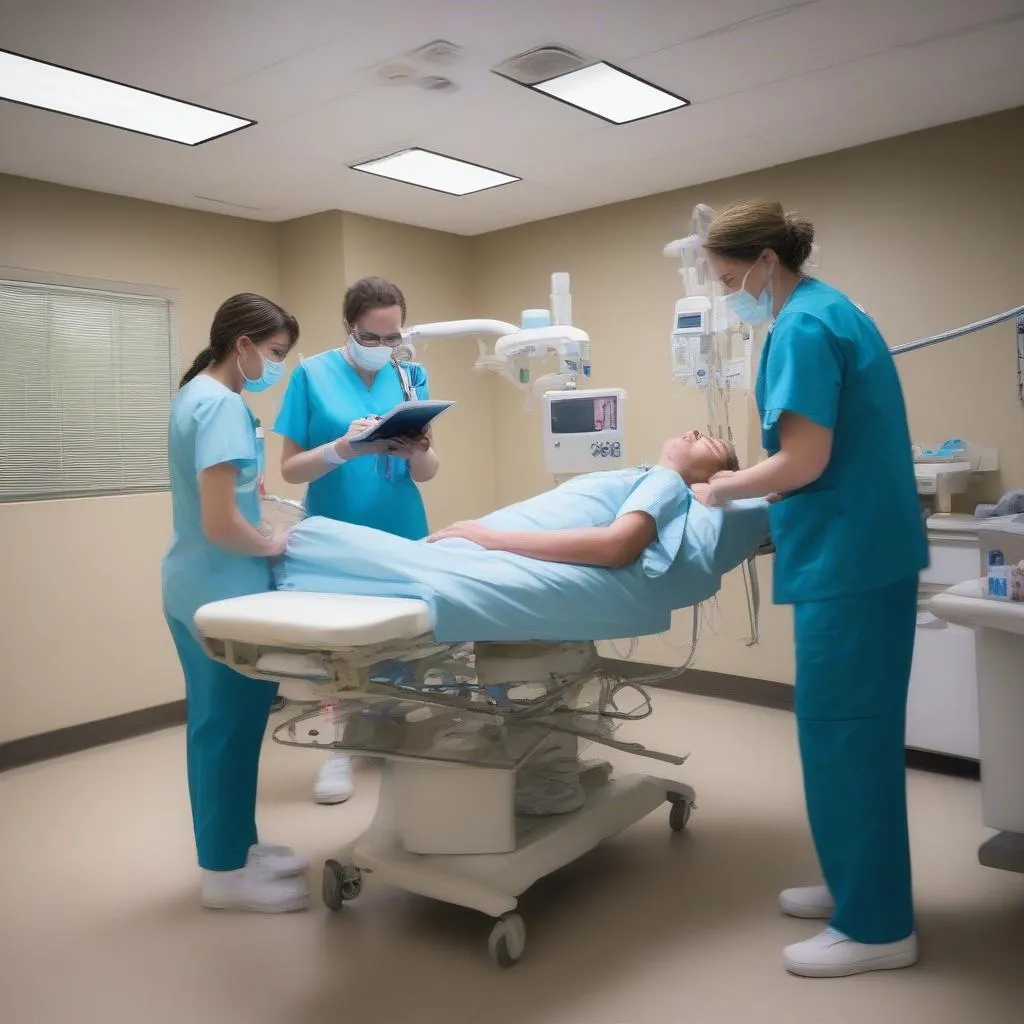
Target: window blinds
86 378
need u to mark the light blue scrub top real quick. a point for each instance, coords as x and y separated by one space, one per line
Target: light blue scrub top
858 527
325 394
210 425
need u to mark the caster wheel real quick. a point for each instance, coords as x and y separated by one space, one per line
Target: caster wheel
340 884
679 816
507 940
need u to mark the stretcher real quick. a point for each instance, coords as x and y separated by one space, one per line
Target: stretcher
466 732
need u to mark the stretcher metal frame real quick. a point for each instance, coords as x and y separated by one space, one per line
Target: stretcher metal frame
322 649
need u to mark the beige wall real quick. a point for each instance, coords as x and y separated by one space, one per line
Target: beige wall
84 637
82 633
924 231
921 230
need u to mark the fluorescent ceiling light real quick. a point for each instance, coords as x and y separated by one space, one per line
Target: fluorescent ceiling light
615 95
34 83
436 172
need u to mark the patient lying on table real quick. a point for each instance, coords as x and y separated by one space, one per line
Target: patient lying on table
603 556
630 525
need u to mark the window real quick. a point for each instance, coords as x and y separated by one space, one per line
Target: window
86 378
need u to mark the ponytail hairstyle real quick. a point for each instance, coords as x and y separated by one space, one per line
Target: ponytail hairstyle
245 315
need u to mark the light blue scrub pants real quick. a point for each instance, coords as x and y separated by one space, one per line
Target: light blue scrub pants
227 719
853 659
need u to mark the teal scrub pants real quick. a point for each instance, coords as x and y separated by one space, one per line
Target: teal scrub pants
227 719
853 659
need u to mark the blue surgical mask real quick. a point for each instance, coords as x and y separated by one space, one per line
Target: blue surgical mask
272 373
744 307
369 359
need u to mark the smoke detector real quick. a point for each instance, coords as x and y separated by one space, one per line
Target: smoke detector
440 51
541 65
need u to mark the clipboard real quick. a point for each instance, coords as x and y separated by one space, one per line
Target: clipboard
405 418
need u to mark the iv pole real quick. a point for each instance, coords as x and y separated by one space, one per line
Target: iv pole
959 332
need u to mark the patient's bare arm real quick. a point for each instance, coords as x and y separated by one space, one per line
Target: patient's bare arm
607 546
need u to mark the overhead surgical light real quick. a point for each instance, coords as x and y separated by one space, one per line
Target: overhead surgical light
35 83
436 172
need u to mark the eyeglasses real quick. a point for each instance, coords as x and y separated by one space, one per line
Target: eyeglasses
371 340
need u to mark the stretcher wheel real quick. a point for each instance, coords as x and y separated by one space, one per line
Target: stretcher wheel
679 815
340 884
507 940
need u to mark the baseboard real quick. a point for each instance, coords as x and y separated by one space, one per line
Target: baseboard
764 693
943 764
75 738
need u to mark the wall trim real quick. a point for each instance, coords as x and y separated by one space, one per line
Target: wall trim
767 693
75 738
763 693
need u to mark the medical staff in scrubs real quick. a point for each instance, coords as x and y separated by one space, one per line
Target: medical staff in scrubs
331 398
215 450
850 543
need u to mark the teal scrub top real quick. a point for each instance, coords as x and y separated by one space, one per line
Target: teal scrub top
859 526
210 425
324 395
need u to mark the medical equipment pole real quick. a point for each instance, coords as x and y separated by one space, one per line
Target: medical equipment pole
959 332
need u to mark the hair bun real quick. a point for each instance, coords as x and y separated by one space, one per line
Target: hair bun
801 236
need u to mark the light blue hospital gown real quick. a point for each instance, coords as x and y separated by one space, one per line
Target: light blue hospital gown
325 394
494 595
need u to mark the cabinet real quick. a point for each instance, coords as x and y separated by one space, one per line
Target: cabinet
942 709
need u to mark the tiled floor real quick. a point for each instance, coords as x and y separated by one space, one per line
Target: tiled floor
101 921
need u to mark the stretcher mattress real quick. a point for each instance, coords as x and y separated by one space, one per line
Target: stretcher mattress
317 622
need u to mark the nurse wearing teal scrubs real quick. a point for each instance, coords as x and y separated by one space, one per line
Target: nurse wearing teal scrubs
215 451
850 544
330 399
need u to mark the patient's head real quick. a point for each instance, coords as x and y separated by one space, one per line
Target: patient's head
696 457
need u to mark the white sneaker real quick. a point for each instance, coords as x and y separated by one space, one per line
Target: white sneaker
334 783
832 955
255 887
282 861
813 902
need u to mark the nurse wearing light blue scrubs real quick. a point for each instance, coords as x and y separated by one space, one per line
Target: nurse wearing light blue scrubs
850 544
215 450
330 399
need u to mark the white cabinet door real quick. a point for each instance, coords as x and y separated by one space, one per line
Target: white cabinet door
942 711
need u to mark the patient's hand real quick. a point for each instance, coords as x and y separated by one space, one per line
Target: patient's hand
469 530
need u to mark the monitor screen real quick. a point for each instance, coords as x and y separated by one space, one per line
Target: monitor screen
584 415
687 321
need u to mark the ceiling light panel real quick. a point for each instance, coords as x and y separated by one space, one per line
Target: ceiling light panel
34 83
610 93
436 172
